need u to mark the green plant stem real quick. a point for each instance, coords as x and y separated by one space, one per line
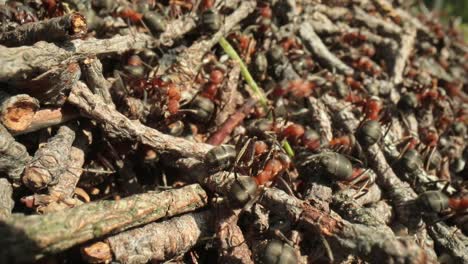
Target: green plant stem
244 71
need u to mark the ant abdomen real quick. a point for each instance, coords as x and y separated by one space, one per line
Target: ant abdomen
434 201
221 157
369 133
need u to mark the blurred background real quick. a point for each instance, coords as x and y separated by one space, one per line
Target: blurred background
451 8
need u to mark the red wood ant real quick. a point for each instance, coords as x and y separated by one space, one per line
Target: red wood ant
298 88
354 38
273 168
210 89
365 64
130 14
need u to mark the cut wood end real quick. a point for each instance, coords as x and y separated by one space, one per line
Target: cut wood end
99 252
19 114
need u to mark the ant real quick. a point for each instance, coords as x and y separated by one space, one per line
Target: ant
438 202
278 252
130 14
337 166
354 38
298 88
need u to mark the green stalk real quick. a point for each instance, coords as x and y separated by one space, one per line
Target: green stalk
288 148
251 82
244 71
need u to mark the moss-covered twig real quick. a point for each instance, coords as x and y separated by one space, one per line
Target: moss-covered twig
46 234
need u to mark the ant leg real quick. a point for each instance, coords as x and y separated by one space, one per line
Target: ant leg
429 158
286 184
239 155
327 247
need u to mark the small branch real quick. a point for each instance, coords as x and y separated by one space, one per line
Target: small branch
407 45
231 123
157 241
13 155
232 245
92 70
371 243
317 47
55 232
26 61
6 200
50 160
319 115
118 126
229 96
60 196
183 72
48 117
56 29
51 87
375 23
17 112
177 28
451 241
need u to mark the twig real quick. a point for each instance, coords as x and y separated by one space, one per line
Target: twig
231 123
452 241
60 195
156 241
371 243
26 61
92 70
48 117
55 232
320 116
6 200
13 155
51 87
50 160
375 23
232 245
230 97
118 126
316 46
56 29
407 43
183 72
